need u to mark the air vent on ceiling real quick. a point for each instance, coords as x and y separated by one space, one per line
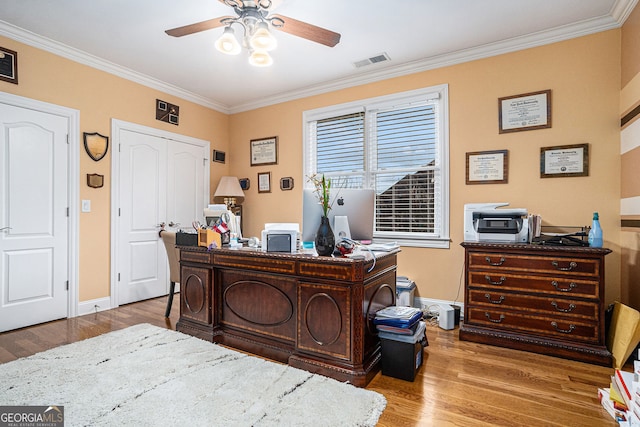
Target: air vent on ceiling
373 60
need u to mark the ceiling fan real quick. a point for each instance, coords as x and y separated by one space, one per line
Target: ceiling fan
255 19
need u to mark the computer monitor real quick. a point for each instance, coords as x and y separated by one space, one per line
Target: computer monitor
358 205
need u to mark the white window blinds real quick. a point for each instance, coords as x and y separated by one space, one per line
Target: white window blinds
395 145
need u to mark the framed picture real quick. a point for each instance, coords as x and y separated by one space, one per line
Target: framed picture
264 151
8 65
286 183
564 161
528 111
487 167
264 182
245 183
218 156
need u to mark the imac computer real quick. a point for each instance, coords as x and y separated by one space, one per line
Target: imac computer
358 205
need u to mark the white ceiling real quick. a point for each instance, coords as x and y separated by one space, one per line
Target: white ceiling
127 38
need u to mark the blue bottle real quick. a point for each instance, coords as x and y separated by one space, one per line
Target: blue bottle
595 234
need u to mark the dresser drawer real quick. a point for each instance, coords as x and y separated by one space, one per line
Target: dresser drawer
541 264
497 298
574 329
562 286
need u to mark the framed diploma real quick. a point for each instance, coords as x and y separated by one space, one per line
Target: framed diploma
264 182
264 151
528 111
488 167
564 161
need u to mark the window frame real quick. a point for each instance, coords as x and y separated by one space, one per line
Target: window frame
397 100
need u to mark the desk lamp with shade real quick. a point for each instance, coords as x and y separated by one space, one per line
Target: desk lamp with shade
229 189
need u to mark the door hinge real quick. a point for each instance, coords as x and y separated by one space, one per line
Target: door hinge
118 211
119 148
67 139
118 277
67 285
67 211
204 162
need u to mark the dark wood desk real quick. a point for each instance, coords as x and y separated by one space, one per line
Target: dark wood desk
314 313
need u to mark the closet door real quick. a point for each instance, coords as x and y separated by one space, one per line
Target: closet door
161 181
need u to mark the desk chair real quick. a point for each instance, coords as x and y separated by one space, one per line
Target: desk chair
173 255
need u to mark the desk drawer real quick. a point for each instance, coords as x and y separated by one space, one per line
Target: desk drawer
542 264
565 307
574 329
552 285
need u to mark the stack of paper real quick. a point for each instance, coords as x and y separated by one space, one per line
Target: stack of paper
622 399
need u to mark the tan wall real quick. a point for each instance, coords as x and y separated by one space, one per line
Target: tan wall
99 97
630 163
584 76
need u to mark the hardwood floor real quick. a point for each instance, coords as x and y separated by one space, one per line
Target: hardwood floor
459 384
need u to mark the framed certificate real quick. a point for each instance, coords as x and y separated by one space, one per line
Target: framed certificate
528 111
564 161
264 151
487 167
264 182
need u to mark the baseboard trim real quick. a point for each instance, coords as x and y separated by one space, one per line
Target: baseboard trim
94 305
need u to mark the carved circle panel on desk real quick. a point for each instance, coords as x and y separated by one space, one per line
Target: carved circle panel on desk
195 294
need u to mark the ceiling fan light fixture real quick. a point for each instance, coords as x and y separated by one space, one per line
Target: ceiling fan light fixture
227 43
262 39
260 58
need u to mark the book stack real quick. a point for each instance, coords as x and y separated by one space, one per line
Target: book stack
398 320
622 399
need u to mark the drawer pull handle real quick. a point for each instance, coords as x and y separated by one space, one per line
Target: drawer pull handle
488 316
564 331
498 301
488 259
564 310
556 285
489 281
571 266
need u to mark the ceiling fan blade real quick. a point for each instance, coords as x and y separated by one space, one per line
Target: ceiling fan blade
305 30
198 27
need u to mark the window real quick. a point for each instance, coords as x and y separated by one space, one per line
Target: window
399 146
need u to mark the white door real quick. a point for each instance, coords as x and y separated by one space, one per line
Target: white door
161 181
34 221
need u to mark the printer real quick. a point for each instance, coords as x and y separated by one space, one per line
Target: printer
484 222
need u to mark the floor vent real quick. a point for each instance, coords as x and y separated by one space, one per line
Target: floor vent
373 60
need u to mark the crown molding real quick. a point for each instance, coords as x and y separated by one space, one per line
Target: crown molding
515 44
618 14
76 55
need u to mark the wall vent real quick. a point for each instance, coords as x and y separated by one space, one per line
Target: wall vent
373 60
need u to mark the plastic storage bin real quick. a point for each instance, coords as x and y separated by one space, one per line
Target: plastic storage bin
402 354
405 289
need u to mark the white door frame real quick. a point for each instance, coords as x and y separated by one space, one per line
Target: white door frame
73 181
116 127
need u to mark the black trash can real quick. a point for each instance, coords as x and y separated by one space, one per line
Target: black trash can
402 354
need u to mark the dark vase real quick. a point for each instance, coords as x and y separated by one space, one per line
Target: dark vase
325 239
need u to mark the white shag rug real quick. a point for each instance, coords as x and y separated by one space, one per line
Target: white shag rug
149 376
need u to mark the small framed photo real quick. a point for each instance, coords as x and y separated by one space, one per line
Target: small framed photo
286 183
219 156
528 111
264 182
564 161
487 167
8 65
264 151
245 183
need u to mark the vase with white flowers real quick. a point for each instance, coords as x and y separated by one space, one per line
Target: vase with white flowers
325 239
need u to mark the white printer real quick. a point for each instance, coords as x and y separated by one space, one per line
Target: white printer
483 222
